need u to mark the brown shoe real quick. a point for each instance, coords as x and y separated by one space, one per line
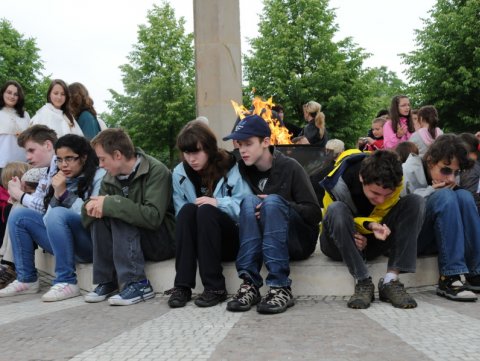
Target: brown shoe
7 275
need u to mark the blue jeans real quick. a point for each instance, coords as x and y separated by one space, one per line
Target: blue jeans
452 227
279 234
62 235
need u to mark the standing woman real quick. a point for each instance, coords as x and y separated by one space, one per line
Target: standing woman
56 114
13 120
399 127
59 231
81 106
207 191
314 133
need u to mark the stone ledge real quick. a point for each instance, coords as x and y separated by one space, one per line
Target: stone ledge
316 276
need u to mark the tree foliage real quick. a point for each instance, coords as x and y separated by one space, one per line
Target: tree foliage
445 68
295 59
20 61
159 85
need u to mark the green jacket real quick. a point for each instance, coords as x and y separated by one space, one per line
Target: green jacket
148 203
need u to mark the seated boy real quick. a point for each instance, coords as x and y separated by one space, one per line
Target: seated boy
277 223
365 218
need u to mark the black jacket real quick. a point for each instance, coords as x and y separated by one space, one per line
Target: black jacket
289 180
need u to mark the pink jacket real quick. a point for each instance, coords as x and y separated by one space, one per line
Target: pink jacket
390 139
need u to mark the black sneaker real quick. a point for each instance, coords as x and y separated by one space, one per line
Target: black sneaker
473 283
277 300
452 287
247 296
133 292
363 295
394 292
101 292
179 296
211 298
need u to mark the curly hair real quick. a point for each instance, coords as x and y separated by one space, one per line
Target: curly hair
20 105
446 148
82 147
382 168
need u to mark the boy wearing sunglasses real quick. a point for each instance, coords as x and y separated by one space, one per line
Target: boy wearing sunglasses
452 224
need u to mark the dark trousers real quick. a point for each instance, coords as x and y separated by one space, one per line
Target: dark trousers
120 250
209 236
404 220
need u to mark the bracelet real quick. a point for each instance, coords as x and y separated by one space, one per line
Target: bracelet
21 198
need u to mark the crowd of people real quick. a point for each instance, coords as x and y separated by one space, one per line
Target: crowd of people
84 193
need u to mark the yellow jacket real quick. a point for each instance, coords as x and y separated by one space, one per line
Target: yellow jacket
337 190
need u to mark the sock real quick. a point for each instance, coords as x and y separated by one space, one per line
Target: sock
390 276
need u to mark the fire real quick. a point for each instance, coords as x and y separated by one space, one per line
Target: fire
280 134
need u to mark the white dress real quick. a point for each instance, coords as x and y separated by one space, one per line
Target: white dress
11 125
55 119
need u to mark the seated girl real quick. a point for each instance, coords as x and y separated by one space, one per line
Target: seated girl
59 231
207 191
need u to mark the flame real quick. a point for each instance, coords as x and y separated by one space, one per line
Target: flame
280 134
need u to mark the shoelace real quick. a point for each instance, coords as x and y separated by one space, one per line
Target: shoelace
131 288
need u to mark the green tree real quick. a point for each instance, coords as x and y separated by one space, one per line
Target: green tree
445 68
158 83
295 59
20 61
384 84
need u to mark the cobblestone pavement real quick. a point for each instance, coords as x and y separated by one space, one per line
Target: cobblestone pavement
316 328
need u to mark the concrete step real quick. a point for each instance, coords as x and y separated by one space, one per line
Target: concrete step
316 276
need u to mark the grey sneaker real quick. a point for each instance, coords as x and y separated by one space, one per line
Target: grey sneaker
394 292
277 300
247 296
363 295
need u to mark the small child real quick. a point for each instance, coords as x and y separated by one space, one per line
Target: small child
375 143
29 178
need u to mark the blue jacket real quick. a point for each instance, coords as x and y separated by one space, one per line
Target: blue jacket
229 191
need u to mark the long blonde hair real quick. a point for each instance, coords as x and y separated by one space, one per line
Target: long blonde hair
314 109
13 169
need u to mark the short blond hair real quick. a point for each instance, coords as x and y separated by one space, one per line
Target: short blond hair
13 169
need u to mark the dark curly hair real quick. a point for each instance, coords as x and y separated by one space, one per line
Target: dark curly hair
82 147
382 168
446 148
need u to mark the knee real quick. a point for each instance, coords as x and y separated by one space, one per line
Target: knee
250 201
19 214
444 197
273 203
187 211
465 198
56 215
337 210
206 212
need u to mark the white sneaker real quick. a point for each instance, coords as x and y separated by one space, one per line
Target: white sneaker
20 288
61 291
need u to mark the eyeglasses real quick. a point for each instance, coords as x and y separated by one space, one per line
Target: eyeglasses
450 171
67 160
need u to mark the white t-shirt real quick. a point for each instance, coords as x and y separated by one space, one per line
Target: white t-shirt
11 125
55 119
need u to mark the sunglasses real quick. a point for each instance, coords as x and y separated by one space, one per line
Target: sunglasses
450 171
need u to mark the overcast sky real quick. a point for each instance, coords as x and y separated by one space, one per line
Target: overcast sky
88 40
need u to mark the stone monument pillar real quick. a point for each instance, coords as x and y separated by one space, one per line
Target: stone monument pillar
218 62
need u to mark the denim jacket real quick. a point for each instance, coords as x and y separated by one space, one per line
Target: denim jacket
229 191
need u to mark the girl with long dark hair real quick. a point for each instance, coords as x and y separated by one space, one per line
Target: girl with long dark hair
207 191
